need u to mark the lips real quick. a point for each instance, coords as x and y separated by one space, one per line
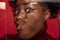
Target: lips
19 22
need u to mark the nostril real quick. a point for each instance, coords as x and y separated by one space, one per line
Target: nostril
17 19
16 22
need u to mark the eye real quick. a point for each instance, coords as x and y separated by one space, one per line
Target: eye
28 10
17 12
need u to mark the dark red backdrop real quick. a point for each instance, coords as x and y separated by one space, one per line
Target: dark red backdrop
7 24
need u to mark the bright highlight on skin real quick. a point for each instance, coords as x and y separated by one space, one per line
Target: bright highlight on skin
33 3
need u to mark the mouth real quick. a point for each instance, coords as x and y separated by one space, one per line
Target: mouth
19 22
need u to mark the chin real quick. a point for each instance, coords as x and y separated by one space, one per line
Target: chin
25 36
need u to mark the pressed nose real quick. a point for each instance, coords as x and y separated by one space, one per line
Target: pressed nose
19 29
19 23
20 20
22 15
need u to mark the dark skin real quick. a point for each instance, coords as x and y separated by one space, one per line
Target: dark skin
30 18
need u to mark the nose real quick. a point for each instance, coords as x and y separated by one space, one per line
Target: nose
19 18
22 15
18 23
19 29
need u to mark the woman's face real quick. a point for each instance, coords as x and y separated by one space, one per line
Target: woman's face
29 18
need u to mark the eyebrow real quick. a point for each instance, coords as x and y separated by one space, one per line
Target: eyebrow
28 3
22 4
31 3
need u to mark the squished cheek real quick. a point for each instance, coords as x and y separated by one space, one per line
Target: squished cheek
33 17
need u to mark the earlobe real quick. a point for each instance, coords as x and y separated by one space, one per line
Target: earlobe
47 15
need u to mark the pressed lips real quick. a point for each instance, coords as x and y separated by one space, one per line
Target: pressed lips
19 22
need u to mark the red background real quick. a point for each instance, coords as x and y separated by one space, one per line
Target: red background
7 25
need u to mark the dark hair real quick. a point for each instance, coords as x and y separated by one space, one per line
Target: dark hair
52 7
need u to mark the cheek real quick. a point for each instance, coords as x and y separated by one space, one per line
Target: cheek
33 17
36 21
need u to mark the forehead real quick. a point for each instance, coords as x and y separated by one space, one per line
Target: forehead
26 2
23 1
29 3
56 1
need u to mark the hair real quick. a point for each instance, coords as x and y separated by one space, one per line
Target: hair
53 9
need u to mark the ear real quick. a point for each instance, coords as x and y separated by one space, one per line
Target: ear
47 14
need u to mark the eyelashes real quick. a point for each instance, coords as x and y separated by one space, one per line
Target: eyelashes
26 10
29 10
17 12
